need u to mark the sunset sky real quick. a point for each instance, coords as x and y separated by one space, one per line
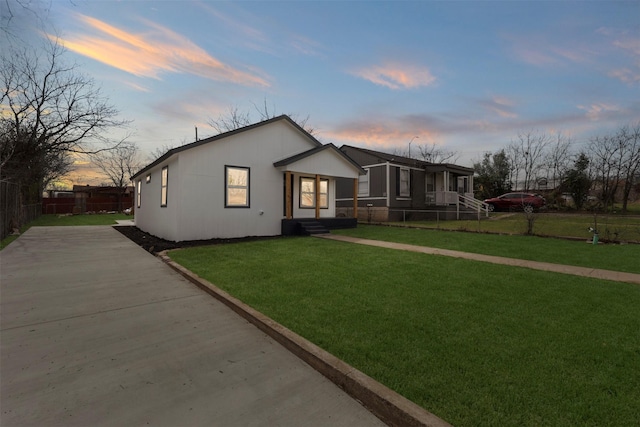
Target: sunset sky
467 75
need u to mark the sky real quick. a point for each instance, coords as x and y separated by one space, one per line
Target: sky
468 76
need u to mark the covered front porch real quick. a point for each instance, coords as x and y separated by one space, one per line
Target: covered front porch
309 190
446 183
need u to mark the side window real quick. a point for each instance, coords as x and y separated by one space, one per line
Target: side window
164 186
138 193
237 187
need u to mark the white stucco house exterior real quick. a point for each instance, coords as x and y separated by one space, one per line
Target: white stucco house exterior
265 179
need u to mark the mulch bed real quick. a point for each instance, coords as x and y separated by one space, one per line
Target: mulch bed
155 244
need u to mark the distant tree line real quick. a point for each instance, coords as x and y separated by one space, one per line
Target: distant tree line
606 170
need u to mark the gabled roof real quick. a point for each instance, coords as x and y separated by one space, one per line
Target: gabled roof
316 150
429 166
225 135
389 157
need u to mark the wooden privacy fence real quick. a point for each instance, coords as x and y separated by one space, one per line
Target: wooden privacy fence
67 205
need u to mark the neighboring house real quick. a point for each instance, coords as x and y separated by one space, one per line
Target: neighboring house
266 179
397 188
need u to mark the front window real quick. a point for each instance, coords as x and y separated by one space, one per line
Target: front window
138 195
164 181
237 187
404 183
308 193
363 184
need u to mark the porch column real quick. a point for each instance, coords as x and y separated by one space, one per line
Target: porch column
317 196
355 198
288 198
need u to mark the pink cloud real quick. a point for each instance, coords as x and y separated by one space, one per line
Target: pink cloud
158 51
598 110
501 106
397 76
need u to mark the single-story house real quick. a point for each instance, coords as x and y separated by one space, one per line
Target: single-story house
396 188
266 179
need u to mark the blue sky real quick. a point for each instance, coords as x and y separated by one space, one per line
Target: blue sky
466 75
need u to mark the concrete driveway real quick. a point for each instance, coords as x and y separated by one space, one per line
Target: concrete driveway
96 331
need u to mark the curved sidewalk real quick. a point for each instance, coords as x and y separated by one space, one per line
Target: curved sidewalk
96 331
594 273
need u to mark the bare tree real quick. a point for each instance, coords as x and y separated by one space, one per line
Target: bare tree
557 159
630 138
605 161
616 163
436 154
119 165
50 110
233 118
158 152
526 155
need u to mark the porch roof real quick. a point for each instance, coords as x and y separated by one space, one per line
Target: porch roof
441 167
321 160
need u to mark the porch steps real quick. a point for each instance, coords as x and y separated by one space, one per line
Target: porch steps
310 227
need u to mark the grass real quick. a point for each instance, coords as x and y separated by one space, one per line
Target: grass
611 227
70 220
474 343
559 251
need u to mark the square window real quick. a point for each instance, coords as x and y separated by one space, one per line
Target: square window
237 187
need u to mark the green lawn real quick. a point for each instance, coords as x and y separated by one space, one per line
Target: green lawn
559 251
61 220
476 344
611 227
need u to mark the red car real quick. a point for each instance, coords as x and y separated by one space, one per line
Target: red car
527 202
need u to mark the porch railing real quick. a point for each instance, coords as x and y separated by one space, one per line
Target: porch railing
471 203
441 198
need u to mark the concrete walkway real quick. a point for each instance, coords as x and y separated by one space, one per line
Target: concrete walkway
96 331
546 266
